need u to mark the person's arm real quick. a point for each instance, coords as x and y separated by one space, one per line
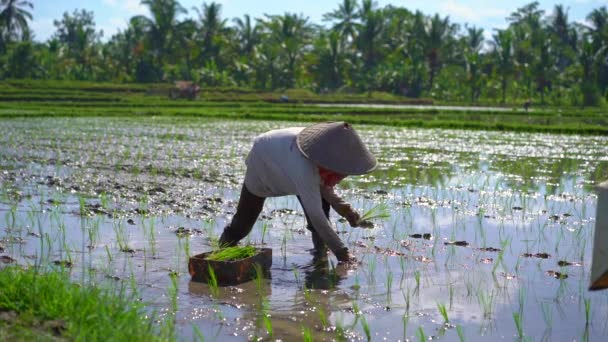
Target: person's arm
342 207
311 200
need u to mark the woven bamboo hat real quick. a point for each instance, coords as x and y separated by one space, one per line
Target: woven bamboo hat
336 146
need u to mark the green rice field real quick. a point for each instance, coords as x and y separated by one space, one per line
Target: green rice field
489 233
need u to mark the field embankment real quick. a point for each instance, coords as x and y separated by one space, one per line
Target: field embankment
45 98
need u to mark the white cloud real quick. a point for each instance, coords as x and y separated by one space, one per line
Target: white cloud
127 7
467 13
134 7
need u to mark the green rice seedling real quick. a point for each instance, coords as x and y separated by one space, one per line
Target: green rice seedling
198 333
407 299
340 333
264 230
460 333
444 312
366 329
420 334
371 266
356 310
82 206
587 311
322 317
487 303
547 314
306 334
522 299
232 253
356 286
284 245
263 304
517 317
151 236
451 294
417 278
121 235
104 200
389 285
212 282
296 275
405 320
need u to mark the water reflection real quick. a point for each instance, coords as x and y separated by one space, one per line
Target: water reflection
320 274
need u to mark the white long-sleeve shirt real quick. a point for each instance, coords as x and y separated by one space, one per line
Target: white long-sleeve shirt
276 167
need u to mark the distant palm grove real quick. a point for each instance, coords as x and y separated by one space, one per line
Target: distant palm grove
359 47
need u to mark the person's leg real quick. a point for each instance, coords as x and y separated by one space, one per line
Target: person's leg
316 239
247 213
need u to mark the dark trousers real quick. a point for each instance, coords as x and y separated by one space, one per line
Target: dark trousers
247 212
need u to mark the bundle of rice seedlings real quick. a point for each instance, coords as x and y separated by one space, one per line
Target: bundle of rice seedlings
232 253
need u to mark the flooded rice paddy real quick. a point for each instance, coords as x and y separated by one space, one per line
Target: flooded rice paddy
490 233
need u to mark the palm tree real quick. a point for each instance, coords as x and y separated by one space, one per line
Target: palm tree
598 33
345 18
369 33
13 19
290 33
212 28
564 37
438 41
528 37
329 60
472 57
599 23
161 27
588 59
248 34
503 51
544 68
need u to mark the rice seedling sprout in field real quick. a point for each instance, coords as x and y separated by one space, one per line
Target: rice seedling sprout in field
420 334
587 311
306 334
263 305
417 278
366 328
547 314
444 312
486 301
518 319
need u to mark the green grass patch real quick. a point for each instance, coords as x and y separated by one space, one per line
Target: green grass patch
48 306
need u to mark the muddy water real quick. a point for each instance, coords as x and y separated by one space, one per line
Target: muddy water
481 223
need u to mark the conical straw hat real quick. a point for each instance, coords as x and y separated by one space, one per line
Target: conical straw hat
336 146
599 268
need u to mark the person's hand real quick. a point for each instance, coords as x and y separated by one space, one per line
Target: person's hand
353 218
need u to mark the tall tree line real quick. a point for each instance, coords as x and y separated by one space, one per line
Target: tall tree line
360 47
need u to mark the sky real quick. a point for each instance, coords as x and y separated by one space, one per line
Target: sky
112 16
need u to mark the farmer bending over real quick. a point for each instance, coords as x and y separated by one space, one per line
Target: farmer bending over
307 162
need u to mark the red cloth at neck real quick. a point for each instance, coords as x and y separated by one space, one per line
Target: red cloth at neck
329 177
